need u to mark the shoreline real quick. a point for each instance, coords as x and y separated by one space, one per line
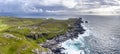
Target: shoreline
53 44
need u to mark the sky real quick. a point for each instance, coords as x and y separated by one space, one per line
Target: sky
57 8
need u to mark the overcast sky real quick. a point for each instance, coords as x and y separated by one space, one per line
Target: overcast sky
31 8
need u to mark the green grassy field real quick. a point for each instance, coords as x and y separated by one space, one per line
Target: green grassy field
3 26
13 32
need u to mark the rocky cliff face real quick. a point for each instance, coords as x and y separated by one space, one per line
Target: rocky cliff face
53 44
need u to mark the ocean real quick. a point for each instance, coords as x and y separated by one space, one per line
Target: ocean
102 36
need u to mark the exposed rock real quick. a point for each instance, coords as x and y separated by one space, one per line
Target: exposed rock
53 44
38 51
86 21
58 50
36 36
7 35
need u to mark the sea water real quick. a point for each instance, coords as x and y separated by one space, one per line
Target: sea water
77 45
103 33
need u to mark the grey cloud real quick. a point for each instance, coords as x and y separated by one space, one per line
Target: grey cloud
57 7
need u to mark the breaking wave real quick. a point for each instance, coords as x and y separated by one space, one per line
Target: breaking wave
77 45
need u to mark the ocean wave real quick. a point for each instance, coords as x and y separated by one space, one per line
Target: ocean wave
77 45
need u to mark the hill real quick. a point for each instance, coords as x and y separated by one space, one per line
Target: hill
22 35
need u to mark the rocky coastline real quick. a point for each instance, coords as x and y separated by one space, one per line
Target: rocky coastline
53 44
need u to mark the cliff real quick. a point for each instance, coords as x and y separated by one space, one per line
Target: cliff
35 35
53 44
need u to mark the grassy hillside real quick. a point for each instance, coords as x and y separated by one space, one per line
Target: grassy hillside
15 33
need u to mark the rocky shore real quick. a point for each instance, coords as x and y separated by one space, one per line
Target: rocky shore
53 44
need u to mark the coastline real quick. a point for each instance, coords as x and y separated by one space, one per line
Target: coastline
53 44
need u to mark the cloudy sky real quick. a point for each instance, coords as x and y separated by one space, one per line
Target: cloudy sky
28 8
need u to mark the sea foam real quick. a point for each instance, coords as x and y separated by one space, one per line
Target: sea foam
77 45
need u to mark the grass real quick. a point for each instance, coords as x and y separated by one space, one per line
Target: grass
13 46
21 27
2 26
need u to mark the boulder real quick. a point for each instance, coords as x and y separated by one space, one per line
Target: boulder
7 35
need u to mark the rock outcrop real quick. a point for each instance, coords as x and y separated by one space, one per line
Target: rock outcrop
36 36
53 44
